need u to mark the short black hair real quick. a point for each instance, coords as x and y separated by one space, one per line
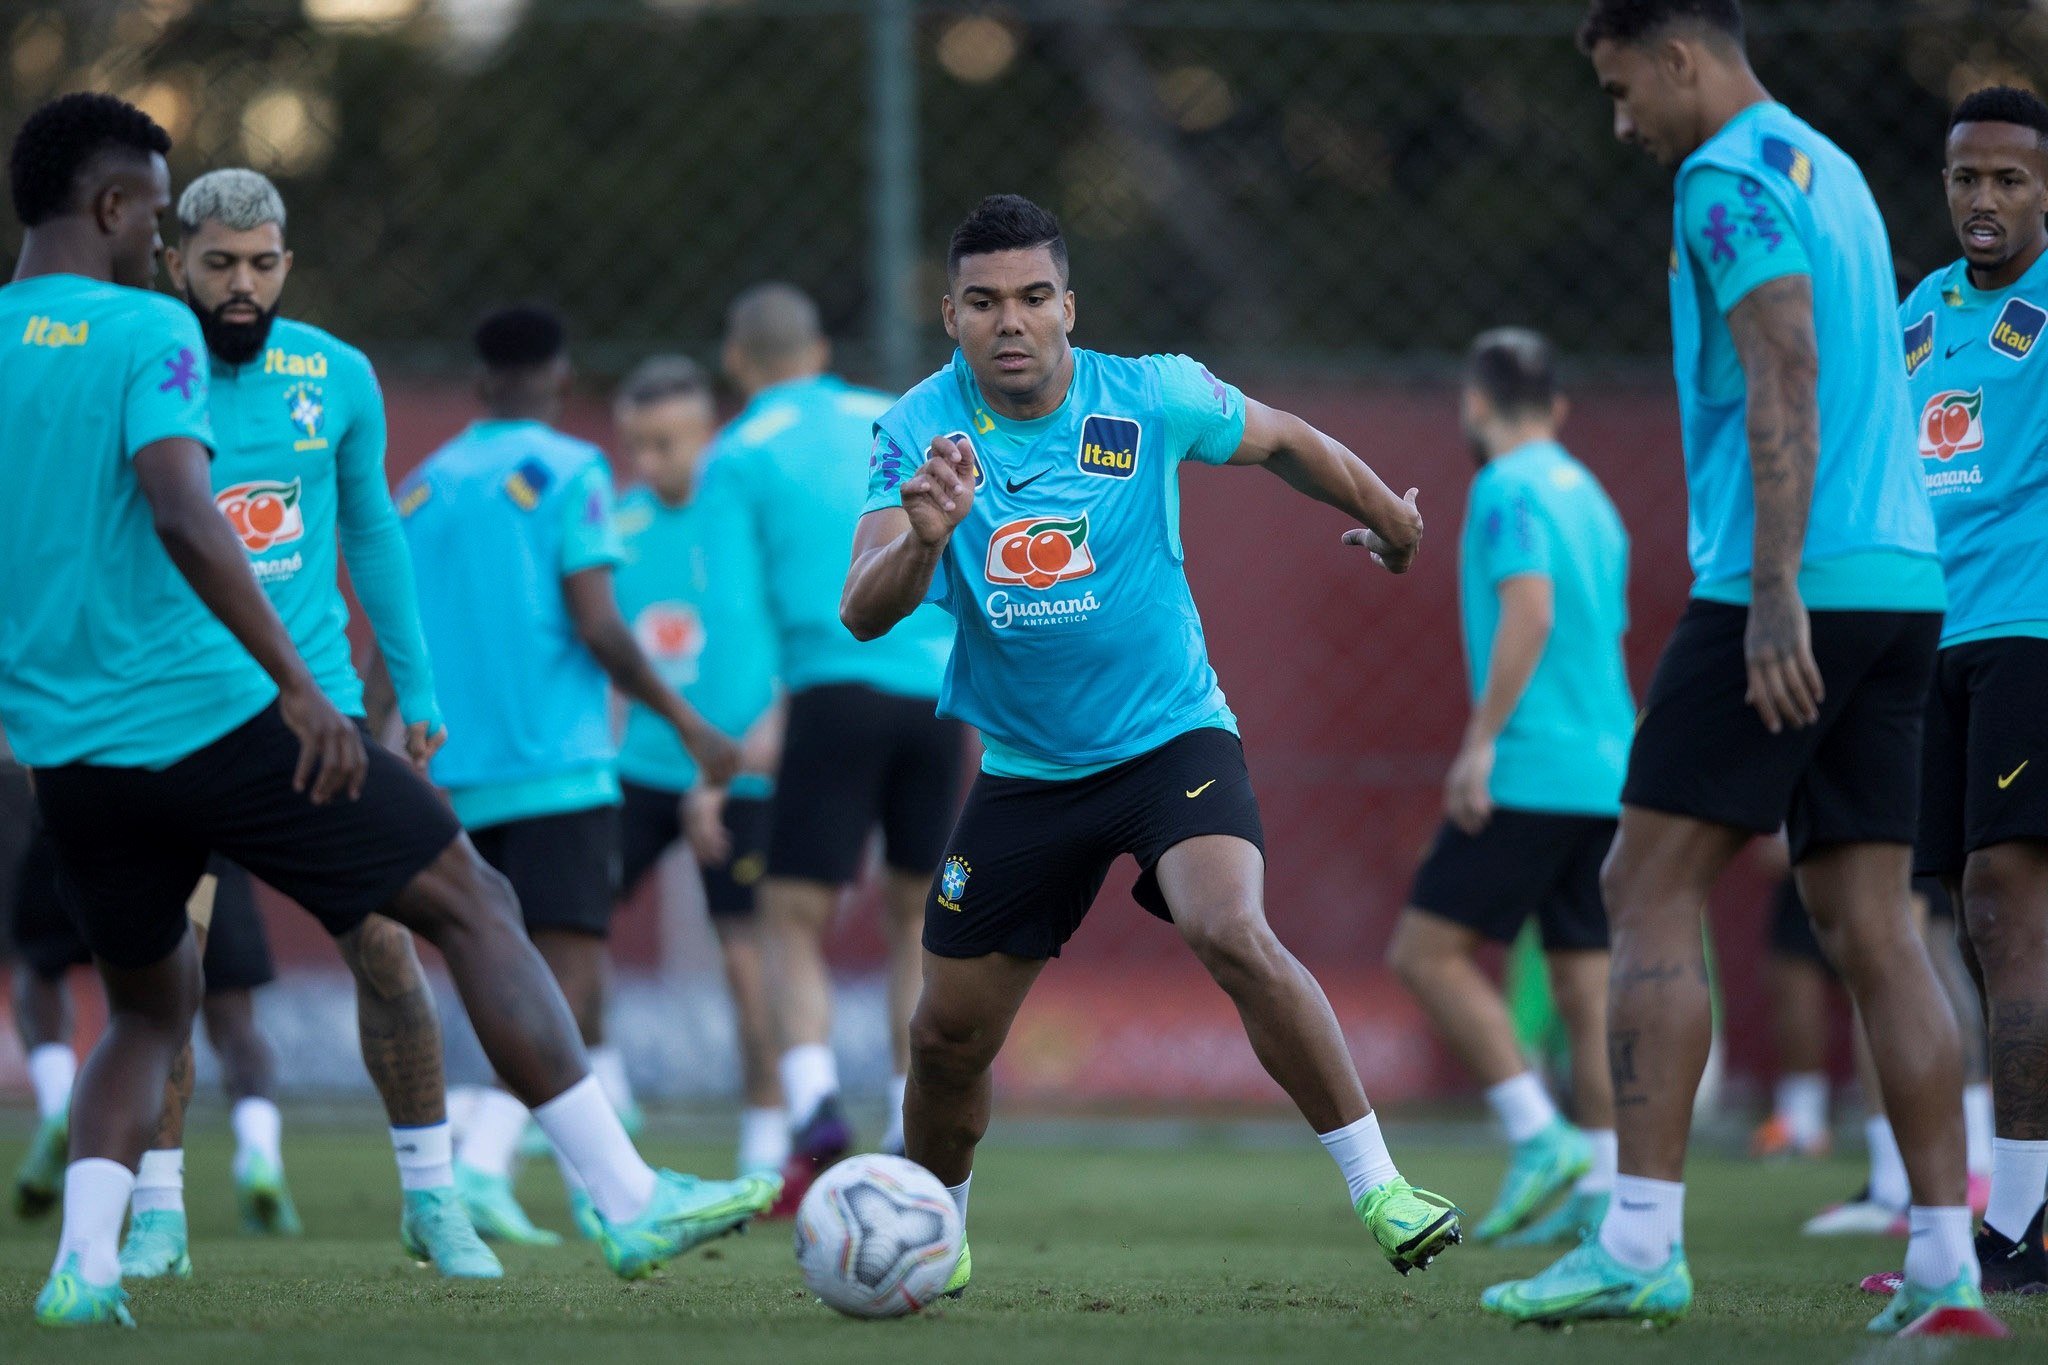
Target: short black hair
660 378
2003 104
520 337
1633 21
1515 368
1007 222
61 139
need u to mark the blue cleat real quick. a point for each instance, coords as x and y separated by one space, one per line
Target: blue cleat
156 1246
69 1300
1566 1225
494 1211
436 1231
685 1212
583 1213
1589 1284
39 1180
1541 1168
264 1201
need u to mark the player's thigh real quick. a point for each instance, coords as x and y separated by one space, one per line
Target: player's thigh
341 861
1489 883
650 822
828 790
1939 843
1194 786
921 786
125 860
562 867
1423 939
730 888
1862 785
965 1011
237 956
1022 867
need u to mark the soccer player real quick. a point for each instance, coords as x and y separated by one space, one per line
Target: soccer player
693 590
1532 795
1792 690
148 682
511 525
863 747
1971 331
1079 655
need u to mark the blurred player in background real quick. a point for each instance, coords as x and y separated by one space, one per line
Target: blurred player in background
1531 799
1792 692
1051 536
863 748
1971 331
150 684
511 524
693 590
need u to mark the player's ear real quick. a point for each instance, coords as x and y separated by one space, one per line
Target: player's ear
107 205
174 263
1680 62
284 266
946 316
1067 312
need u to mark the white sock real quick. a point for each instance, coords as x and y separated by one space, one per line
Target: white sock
608 1064
1645 1221
462 1107
1977 1125
764 1140
1940 1248
1522 1105
52 1067
809 1076
96 1194
160 1183
2019 1178
959 1193
1802 1105
1360 1151
572 1179
259 1131
1606 1157
1888 1185
892 1140
586 1131
426 1156
491 1138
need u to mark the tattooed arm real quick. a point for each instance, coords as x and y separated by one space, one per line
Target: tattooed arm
1774 339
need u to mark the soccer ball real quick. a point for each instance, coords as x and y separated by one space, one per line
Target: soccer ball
877 1236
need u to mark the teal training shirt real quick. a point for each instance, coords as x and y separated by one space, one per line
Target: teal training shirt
107 656
1983 405
497 518
299 466
1536 511
792 468
692 588
1078 643
1764 198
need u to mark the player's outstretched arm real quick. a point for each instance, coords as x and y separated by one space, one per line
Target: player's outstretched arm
177 482
1326 470
897 550
1772 328
594 609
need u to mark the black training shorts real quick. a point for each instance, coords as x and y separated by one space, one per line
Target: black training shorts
1523 863
1987 721
564 868
651 820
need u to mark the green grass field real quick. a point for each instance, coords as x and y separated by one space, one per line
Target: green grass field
1082 1253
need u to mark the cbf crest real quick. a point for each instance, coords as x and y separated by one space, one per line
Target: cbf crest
306 405
953 882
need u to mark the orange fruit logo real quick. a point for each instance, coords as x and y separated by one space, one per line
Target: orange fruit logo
671 634
1040 551
263 514
1952 424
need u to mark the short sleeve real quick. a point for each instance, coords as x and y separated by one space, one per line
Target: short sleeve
1738 234
1515 537
889 464
166 394
590 534
1204 415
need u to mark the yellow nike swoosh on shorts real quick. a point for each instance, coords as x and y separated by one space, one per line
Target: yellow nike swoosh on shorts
2012 776
1204 787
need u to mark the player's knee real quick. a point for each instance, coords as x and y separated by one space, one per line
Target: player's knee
950 1050
1233 947
1408 957
381 954
2004 906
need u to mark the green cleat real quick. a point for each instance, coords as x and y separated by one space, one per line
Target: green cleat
685 1212
1540 1169
1588 1283
1960 1299
435 1231
156 1246
68 1300
39 1180
1566 1225
495 1213
1413 1227
265 1204
963 1271
583 1213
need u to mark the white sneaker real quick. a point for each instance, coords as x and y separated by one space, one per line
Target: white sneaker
1858 1217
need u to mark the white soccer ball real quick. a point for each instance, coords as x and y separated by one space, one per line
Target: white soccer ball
877 1236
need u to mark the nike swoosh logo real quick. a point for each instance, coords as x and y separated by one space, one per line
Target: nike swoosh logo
1957 347
1637 1208
1016 487
2012 776
1199 790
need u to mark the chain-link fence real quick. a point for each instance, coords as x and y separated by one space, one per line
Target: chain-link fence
1276 184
